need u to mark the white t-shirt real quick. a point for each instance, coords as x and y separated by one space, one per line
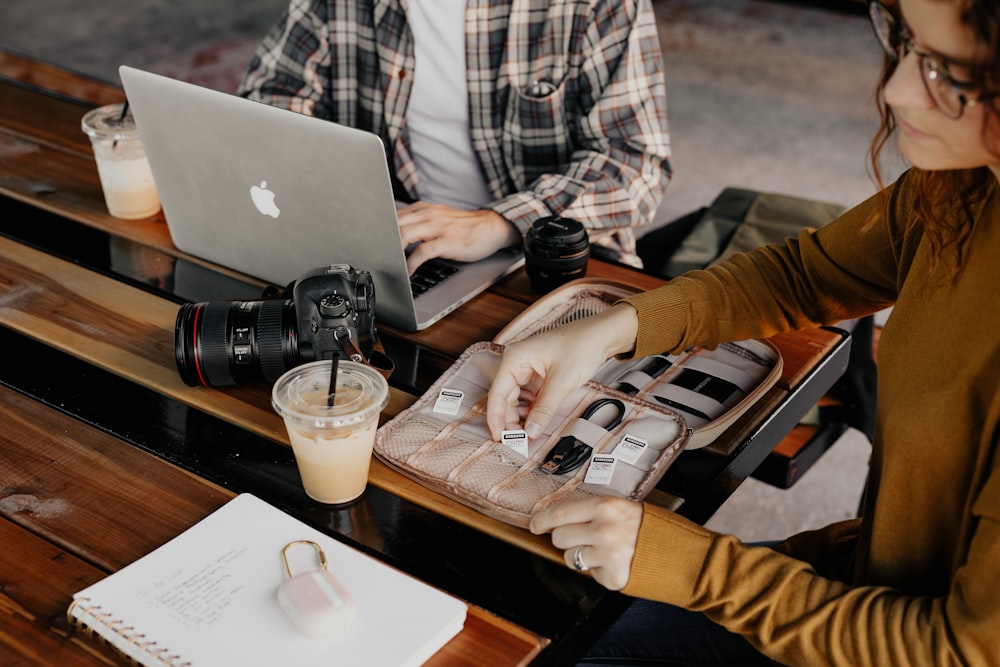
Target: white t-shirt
438 112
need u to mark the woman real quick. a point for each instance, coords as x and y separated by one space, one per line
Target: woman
916 580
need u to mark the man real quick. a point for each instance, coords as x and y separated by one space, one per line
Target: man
493 114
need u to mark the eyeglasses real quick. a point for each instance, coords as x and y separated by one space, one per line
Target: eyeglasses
950 95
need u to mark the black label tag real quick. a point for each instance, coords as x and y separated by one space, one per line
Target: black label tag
705 384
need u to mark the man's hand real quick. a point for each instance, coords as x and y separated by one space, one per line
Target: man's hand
442 231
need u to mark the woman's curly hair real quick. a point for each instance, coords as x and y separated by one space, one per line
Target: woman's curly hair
944 205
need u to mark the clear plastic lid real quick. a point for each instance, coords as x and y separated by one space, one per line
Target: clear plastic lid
301 395
106 124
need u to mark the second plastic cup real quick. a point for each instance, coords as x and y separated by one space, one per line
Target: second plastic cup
129 190
332 443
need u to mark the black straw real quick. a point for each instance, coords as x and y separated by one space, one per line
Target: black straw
121 117
333 379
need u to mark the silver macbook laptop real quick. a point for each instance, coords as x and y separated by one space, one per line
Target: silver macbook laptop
273 193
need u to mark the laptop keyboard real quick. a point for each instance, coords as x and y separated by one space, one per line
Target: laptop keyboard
429 274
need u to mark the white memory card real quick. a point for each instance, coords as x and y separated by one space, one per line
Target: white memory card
449 401
629 448
601 470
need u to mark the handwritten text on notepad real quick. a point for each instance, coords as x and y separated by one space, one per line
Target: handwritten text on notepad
198 600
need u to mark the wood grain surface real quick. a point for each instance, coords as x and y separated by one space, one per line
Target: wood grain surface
73 503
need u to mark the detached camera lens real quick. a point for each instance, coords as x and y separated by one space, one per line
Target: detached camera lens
556 251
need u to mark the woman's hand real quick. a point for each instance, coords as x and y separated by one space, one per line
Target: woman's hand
538 373
435 230
598 534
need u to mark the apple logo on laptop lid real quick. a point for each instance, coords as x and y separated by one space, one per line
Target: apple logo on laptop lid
263 199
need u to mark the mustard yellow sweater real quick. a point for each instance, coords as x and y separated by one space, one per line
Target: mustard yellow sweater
916 581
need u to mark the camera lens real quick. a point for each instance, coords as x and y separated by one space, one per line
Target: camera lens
230 342
556 251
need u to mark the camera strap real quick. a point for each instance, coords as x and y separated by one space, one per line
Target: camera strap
378 359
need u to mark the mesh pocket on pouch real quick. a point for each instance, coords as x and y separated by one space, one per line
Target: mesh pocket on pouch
525 490
493 467
438 459
579 493
405 441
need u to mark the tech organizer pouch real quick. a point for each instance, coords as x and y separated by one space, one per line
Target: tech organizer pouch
615 435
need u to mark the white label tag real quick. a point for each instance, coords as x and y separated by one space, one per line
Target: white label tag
517 440
601 470
449 401
630 448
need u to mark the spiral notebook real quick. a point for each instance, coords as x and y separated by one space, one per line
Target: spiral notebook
208 597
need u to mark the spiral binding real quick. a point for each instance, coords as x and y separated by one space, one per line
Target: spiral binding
94 616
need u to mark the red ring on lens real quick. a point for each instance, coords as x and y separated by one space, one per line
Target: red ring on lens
194 344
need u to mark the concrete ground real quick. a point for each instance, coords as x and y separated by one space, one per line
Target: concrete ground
764 95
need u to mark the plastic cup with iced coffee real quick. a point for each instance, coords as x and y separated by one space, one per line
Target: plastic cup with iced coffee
129 190
332 434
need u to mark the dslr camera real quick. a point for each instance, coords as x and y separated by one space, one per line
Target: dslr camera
332 309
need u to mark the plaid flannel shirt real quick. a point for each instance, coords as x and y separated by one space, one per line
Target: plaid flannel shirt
567 103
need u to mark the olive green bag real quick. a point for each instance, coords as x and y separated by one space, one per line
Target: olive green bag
737 221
